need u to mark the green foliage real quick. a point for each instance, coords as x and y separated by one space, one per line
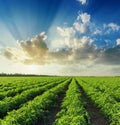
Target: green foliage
29 113
10 103
104 94
24 100
72 109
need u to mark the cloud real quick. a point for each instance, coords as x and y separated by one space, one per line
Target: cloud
110 56
110 27
82 28
82 24
75 46
118 41
82 1
114 26
8 54
86 51
29 51
34 47
97 31
35 51
66 32
12 54
84 17
65 37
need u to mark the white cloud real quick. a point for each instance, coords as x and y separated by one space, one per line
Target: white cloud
118 41
84 17
114 26
82 28
82 23
97 32
66 32
82 1
66 36
110 27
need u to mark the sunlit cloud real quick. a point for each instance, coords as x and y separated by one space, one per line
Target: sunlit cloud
82 23
66 32
74 46
84 17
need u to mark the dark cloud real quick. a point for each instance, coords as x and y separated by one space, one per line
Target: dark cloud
111 56
8 54
34 47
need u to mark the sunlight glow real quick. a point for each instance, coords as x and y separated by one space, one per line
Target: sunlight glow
6 37
33 68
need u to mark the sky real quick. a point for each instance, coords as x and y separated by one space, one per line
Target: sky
60 37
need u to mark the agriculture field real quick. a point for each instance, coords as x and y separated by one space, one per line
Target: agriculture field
59 100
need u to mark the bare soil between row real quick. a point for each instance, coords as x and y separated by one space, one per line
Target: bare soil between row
96 117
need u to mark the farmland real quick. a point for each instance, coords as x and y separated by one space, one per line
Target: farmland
59 100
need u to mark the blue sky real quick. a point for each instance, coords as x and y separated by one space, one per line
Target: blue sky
25 18
79 32
35 16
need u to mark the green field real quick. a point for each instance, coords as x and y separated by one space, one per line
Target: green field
59 100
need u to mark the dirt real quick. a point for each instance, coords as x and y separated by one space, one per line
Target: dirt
96 117
51 116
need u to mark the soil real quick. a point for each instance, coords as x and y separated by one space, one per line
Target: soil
50 117
96 117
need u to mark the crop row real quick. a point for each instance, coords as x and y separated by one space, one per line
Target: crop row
34 110
19 89
17 82
103 96
72 109
11 103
